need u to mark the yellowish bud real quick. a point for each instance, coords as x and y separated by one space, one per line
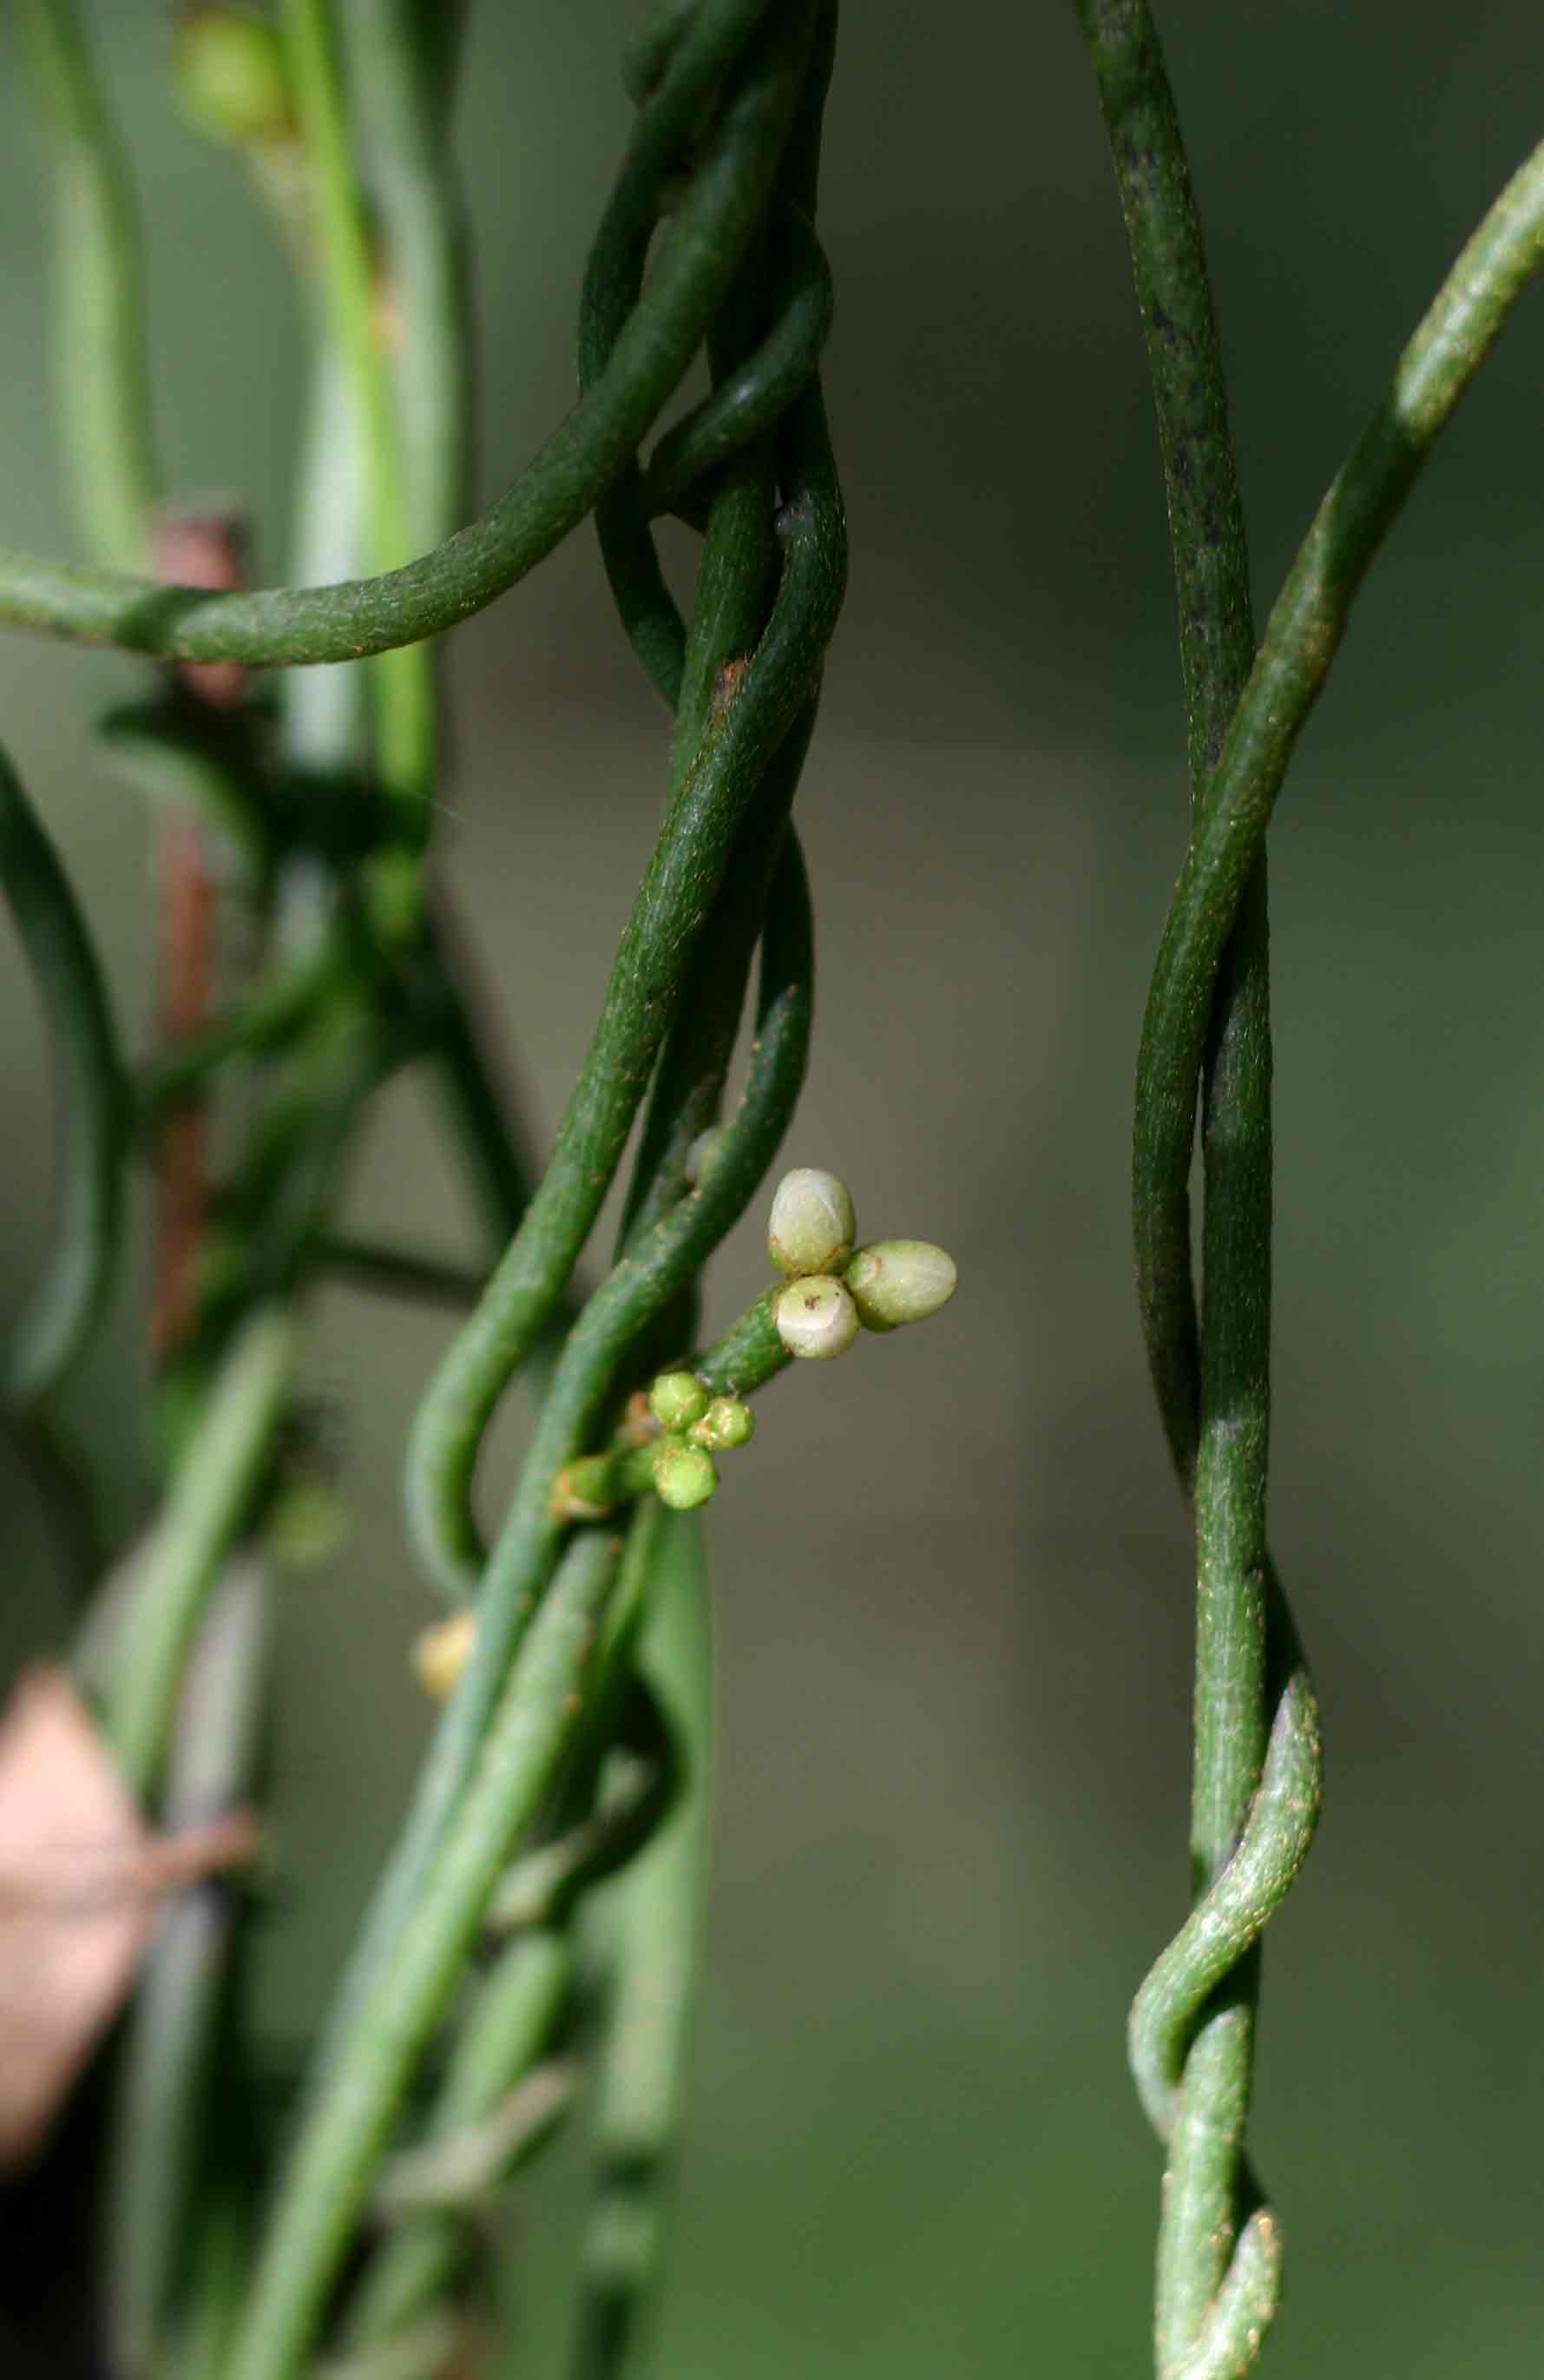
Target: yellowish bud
441 1654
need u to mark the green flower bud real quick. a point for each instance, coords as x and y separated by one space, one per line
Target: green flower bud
812 1223
899 1280
816 1317
684 1476
231 79
728 1422
676 1400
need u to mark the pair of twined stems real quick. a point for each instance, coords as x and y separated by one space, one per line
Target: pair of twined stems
750 746
733 727
1206 1037
1299 645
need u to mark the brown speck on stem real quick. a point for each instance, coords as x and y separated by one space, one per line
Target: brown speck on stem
726 685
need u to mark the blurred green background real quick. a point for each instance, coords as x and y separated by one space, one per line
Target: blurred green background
955 1592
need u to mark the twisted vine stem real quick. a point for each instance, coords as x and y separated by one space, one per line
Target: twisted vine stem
725 872
730 95
66 1302
1257 1760
721 210
106 410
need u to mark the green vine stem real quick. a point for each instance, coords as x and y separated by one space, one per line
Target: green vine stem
752 397
514 2015
1192 2027
207 1503
640 1286
347 2124
161 2111
642 997
68 1301
103 376
1215 1398
651 1929
1302 637
349 297
401 59
721 207
323 711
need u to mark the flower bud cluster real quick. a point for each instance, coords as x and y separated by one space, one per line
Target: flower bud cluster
694 1428
834 1290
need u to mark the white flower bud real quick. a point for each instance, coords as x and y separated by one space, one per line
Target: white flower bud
899 1280
816 1317
812 1224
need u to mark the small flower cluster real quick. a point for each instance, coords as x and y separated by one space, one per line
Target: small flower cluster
694 1428
834 1289
672 1434
667 1443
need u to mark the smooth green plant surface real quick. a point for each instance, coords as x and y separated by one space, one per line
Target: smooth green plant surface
577 1744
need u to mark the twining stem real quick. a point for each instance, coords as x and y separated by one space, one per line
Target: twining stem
642 998
1215 1406
159 2142
723 205
347 2127
209 1500
69 1295
512 2018
729 614
401 64
1302 637
653 1922
643 1284
1212 2312
103 378
756 394
351 313
323 711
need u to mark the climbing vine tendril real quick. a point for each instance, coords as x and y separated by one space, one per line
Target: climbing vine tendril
1207 1036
